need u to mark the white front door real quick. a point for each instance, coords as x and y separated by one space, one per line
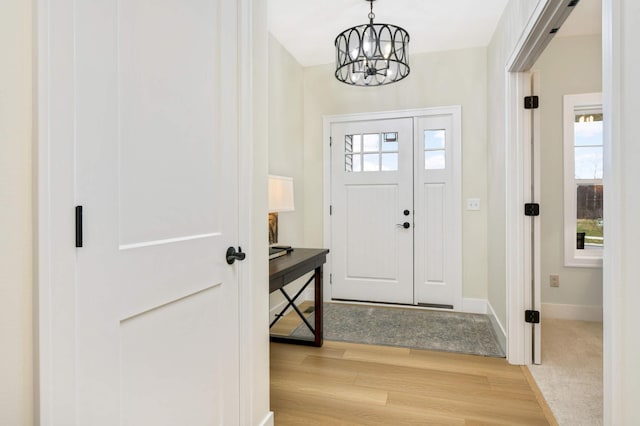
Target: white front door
396 208
154 310
372 188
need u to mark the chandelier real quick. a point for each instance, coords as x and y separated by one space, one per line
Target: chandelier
372 54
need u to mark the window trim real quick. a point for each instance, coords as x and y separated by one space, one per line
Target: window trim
572 256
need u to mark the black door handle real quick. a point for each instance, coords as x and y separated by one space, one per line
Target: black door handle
405 225
233 255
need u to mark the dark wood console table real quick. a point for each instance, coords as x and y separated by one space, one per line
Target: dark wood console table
284 270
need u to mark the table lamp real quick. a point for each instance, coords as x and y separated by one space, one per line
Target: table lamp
280 200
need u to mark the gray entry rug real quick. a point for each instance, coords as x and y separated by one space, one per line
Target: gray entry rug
412 328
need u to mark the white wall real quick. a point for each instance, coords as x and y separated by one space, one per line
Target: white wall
286 147
16 277
569 65
437 79
286 150
508 32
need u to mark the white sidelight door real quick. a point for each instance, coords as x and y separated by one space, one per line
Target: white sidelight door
150 331
438 271
372 210
396 208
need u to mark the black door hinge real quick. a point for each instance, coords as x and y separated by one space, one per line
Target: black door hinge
531 102
532 317
532 209
330 210
78 226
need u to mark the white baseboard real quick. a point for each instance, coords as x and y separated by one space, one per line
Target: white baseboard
268 420
474 306
498 327
572 312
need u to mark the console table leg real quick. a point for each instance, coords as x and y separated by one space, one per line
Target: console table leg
318 305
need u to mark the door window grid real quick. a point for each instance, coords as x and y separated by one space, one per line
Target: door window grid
434 149
371 152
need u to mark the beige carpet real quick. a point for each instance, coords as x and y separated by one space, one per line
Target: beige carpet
570 376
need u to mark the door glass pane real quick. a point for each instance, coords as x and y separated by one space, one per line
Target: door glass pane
390 142
357 163
589 214
357 143
390 162
348 163
371 142
348 143
381 152
371 162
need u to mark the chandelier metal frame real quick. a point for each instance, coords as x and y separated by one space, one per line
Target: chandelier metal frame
372 54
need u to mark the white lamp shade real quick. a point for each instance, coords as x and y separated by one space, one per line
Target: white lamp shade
280 194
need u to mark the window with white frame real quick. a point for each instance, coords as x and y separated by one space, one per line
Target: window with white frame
583 187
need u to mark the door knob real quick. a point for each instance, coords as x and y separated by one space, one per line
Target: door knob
233 255
406 212
405 225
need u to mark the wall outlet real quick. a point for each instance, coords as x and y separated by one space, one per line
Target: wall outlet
473 203
554 280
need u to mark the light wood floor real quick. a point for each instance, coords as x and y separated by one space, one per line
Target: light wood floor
351 384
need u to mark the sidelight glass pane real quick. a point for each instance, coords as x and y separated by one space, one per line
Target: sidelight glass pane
434 139
434 160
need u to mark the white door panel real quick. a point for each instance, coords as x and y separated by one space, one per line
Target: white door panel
156 305
371 187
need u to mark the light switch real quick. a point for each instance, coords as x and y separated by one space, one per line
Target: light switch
473 203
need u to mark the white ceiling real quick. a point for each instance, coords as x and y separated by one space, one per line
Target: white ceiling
307 28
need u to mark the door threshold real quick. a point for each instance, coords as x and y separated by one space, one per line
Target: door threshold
430 306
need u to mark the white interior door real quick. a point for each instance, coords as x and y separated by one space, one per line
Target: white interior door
152 100
372 187
437 211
